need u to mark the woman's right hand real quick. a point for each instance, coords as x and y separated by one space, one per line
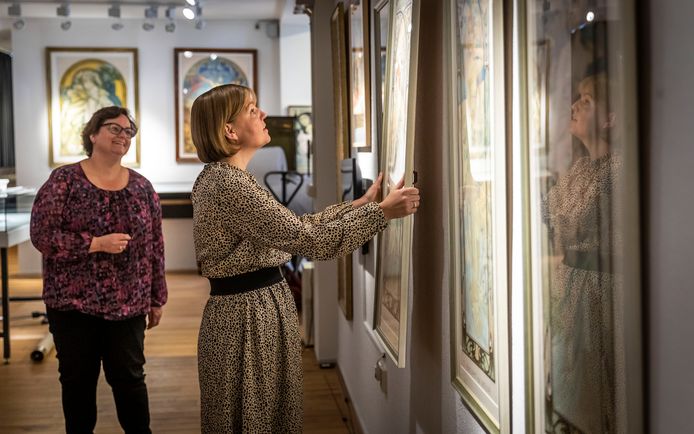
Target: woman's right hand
111 243
400 202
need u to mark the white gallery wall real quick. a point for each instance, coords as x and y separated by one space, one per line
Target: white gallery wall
156 101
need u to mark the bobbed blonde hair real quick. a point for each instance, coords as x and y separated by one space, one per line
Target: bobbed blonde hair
210 113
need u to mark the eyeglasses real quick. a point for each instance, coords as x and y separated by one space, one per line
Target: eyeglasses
116 129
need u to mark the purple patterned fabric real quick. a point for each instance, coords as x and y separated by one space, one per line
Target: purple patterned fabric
68 211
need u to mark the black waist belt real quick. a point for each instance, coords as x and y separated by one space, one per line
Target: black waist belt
245 282
590 261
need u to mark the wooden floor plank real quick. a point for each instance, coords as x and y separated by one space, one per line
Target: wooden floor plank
30 392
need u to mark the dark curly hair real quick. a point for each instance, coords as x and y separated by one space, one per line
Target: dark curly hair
97 120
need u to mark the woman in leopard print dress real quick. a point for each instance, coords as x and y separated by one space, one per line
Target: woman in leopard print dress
249 350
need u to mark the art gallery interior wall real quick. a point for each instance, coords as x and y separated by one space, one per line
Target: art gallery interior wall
156 98
420 397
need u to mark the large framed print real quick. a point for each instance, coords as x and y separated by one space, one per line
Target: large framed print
478 218
360 89
396 162
581 253
380 20
303 129
340 99
197 70
79 82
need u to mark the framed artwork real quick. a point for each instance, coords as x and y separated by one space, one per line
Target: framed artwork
79 82
581 250
197 70
342 143
478 219
303 129
396 163
380 21
282 134
360 101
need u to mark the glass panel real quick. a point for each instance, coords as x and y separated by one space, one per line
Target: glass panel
576 121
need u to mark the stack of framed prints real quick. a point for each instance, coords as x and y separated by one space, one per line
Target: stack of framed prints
81 81
478 217
197 70
396 162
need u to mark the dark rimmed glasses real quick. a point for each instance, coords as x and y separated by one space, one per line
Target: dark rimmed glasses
116 129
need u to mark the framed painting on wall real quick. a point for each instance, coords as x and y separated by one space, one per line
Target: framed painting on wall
478 218
197 70
380 19
79 82
396 163
342 143
303 129
582 258
360 101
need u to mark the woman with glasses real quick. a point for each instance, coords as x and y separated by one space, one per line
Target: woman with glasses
97 225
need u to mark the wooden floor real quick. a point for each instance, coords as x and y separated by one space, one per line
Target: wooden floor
30 392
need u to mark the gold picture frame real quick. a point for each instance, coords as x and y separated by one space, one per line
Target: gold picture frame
477 155
196 70
79 81
360 88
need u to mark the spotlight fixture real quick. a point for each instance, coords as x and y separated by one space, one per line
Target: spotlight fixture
191 2
189 13
170 27
117 26
114 11
200 24
151 13
15 10
64 11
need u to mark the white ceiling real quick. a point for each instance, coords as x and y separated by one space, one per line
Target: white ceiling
134 9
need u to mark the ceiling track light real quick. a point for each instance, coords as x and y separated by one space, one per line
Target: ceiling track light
114 11
152 12
64 11
192 2
170 13
15 10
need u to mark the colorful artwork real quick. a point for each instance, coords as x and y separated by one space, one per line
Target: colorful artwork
303 129
395 243
199 70
83 80
381 15
477 168
474 125
359 78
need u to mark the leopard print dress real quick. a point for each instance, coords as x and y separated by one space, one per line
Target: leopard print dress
249 349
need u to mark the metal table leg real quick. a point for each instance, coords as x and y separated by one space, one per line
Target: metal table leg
5 306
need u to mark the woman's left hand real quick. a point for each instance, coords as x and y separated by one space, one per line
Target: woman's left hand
371 194
154 317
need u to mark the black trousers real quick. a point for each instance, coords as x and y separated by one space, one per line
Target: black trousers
82 342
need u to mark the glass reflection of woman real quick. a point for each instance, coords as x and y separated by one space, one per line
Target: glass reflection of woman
580 392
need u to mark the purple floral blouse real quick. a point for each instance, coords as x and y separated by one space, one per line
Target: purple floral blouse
68 212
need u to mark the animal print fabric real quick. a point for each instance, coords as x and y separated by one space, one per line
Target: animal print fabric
249 348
